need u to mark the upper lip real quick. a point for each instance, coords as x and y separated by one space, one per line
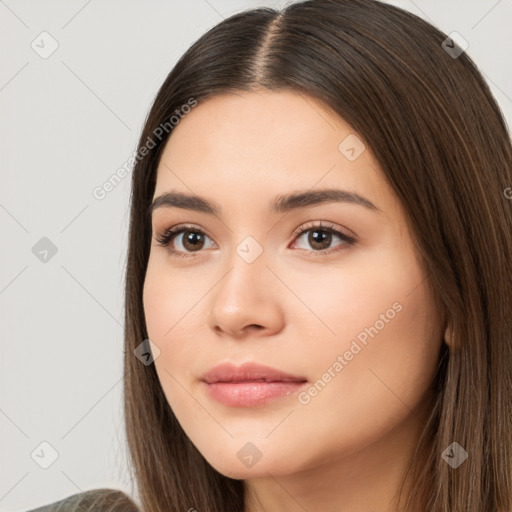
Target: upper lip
248 372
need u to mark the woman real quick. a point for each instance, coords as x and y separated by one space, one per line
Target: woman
319 279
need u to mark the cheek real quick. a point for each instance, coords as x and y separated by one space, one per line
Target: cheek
155 297
169 299
376 367
339 302
160 301
174 312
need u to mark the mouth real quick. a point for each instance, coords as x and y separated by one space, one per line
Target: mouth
250 384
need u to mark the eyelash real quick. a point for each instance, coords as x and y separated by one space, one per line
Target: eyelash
165 238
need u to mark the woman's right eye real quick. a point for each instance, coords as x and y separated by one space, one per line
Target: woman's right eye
192 240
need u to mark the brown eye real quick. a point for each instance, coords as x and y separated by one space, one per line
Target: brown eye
192 240
183 239
320 237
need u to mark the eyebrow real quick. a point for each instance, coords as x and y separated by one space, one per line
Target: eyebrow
280 204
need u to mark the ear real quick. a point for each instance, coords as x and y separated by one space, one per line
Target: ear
448 335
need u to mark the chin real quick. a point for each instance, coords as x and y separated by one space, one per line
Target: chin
248 462
237 472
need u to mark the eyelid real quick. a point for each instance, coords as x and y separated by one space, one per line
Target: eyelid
320 224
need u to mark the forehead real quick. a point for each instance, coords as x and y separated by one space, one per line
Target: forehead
258 123
257 144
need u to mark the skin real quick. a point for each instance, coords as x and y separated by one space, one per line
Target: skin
348 447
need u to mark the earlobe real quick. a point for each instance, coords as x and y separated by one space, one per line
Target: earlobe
448 336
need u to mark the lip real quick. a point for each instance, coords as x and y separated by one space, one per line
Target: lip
250 384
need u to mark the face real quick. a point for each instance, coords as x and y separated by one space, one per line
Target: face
327 289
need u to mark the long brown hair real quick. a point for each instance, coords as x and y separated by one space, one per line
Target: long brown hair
442 143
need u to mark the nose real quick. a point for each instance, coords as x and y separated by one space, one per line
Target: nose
246 301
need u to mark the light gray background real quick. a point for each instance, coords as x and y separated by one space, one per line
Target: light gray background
67 123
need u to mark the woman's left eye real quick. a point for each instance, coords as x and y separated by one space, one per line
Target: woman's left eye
320 236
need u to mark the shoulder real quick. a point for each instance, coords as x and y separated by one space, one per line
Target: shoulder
96 500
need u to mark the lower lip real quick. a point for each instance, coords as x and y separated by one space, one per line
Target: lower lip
249 394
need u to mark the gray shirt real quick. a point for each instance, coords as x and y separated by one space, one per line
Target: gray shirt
97 500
